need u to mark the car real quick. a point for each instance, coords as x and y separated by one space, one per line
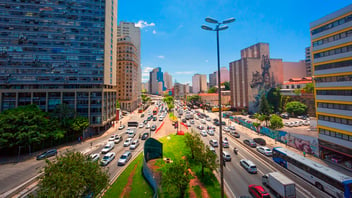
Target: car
142 115
235 134
214 143
200 127
154 118
121 127
212 149
291 124
112 137
225 144
215 120
300 123
232 128
141 125
188 124
226 156
306 123
203 133
145 121
259 141
145 136
131 134
196 117
184 120
226 129
287 124
149 118
211 132
296 124
134 144
265 150
127 142
161 118
248 165
202 121
284 116
124 158
46 154
147 126
108 147
252 116
107 158
250 143
94 157
211 127
153 127
118 139
192 121
258 191
208 119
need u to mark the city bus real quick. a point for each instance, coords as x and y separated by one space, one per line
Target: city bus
155 111
323 177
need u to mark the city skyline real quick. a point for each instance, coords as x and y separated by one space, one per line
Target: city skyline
171 37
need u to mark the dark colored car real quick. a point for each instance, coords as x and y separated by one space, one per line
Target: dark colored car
258 191
250 143
142 115
235 134
149 118
184 120
216 120
154 118
153 128
47 154
145 122
217 123
145 136
260 141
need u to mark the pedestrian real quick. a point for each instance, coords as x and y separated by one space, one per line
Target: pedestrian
304 153
79 139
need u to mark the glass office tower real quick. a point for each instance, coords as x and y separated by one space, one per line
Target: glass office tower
60 51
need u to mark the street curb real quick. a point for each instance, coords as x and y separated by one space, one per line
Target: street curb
13 192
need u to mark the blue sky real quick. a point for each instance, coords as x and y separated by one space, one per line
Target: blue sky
171 37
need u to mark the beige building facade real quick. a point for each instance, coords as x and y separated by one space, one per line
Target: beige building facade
127 76
199 83
294 70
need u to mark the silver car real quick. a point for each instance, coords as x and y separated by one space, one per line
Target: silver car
127 142
264 150
107 158
134 144
124 158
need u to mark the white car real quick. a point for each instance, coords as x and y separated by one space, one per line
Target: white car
226 129
202 121
134 144
203 133
94 157
147 126
161 118
296 124
141 125
121 127
306 122
131 134
291 124
214 143
124 158
264 150
107 158
300 123
192 121
287 124
112 137
212 149
118 139
232 128
108 147
127 142
211 132
208 119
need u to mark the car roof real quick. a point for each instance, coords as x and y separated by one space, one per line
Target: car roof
126 152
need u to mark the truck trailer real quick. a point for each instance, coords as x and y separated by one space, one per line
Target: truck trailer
280 184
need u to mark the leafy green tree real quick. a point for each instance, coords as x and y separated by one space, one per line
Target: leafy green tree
79 124
309 88
193 143
206 158
275 122
212 90
72 175
265 109
227 85
297 92
169 100
295 107
176 178
117 104
195 99
145 98
64 114
26 126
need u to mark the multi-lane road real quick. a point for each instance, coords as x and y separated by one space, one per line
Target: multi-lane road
237 179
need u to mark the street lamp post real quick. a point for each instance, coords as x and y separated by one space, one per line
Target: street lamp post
217 29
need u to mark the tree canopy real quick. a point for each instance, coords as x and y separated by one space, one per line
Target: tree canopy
72 175
176 178
194 99
274 99
309 88
212 90
169 100
275 122
227 85
297 108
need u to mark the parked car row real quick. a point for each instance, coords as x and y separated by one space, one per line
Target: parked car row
297 123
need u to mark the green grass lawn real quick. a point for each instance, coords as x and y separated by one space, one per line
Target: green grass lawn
140 187
174 147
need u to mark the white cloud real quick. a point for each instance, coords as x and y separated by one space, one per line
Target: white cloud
145 74
161 57
142 24
145 79
147 69
185 72
206 61
154 32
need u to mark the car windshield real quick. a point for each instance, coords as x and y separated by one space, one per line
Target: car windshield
267 149
123 157
106 147
106 157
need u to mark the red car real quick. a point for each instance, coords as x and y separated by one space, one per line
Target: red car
258 191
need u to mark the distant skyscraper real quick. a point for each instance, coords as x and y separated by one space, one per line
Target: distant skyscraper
212 79
168 80
308 62
331 38
156 76
56 52
128 81
199 83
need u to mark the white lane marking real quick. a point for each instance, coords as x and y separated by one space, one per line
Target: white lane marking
228 187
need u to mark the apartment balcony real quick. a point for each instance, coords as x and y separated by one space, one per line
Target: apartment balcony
334 125
332 71
334 84
333 57
334 98
334 111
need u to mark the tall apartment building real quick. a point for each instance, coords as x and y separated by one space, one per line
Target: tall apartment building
127 74
212 79
253 75
156 76
331 38
62 52
167 80
199 83
129 29
308 61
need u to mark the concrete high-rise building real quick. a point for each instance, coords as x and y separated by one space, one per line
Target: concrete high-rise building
156 76
253 75
167 80
308 61
129 29
331 38
294 70
59 53
145 86
127 75
212 79
199 83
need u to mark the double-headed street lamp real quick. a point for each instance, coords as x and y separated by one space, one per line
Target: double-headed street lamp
218 28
